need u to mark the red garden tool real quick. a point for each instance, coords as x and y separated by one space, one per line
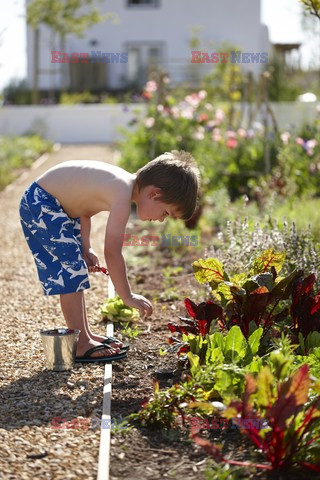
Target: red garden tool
102 269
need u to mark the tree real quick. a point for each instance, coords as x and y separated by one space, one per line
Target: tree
311 15
312 6
63 17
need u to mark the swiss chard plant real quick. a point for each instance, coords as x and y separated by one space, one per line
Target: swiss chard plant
279 418
251 299
199 324
114 310
217 348
165 407
305 314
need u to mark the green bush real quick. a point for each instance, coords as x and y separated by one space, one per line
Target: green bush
17 153
228 157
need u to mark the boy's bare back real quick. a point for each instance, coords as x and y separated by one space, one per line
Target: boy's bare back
86 187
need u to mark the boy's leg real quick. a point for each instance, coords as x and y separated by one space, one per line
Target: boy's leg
93 336
98 338
72 305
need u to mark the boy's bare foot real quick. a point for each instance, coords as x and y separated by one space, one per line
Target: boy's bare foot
106 352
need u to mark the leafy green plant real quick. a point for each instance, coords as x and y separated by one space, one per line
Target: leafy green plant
201 318
114 310
131 331
232 348
163 408
276 419
249 299
305 314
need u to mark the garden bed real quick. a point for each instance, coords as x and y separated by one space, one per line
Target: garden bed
30 396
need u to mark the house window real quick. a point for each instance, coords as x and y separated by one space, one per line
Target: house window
88 76
143 3
142 58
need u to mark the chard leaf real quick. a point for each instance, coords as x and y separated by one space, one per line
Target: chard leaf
214 355
217 340
283 289
264 280
222 292
235 345
250 285
312 341
194 362
254 340
265 382
269 258
223 381
209 270
293 394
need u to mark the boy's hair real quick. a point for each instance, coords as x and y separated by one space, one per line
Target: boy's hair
177 174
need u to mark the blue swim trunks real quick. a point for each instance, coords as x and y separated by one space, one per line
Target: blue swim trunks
55 242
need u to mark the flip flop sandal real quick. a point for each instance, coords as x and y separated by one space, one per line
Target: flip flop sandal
108 340
87 358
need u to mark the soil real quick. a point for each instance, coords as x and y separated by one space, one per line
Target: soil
30 396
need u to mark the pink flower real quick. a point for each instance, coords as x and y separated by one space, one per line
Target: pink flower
175 112
231 134
311 143
149 122
203 117
300 141
220 116
309 146
193 100
202 94
151 86
231 143
242 133
186 111
216 135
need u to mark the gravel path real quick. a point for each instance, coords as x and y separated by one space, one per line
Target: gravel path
29 395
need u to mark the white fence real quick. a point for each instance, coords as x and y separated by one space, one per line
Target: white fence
100 123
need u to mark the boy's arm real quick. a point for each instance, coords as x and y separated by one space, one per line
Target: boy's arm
115 230
85 232
89 255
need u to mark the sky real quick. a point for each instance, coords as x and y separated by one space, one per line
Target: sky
283 17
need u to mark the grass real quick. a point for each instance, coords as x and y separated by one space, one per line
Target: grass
17 153
303 211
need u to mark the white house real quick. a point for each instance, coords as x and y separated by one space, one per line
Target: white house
150 32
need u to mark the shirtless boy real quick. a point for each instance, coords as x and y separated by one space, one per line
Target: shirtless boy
56 211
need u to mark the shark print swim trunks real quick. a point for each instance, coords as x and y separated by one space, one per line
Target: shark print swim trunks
55 242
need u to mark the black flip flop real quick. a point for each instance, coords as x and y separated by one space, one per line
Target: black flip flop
109 340
86 358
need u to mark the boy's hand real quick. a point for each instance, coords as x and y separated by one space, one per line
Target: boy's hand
141 303
91 260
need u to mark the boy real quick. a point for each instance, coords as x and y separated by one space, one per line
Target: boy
55 216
